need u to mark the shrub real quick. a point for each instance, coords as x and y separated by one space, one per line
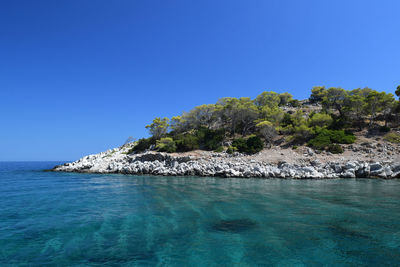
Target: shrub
326 137
210 139
393 138
268 130
320 120
294 103
384 129
187 142
166 144
231 150
320 142
159 127
287 120
338 123
250 145
295 147
142 145
219 149
347 139
254 144
335 149
302 133
340 137
240 144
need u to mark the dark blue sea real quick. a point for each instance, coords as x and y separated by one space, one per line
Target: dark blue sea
69 219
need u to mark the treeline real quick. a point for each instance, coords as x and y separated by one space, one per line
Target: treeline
324 121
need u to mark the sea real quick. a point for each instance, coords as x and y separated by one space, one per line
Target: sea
75 219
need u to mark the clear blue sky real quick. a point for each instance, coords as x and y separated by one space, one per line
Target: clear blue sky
79 77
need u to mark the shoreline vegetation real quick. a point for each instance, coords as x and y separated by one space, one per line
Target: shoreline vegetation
334 133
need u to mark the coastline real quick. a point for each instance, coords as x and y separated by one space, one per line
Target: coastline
359 161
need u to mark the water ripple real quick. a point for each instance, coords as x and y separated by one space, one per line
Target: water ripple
66 219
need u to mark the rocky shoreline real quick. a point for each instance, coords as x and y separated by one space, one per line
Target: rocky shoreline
205 163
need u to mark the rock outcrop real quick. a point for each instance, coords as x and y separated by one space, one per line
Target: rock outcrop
225 165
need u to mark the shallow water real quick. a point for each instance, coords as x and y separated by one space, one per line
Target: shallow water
69 219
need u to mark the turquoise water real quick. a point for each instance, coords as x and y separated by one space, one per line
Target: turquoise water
69 219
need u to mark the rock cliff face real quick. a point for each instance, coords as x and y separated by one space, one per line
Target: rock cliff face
224 165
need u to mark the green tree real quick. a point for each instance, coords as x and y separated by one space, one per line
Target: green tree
272 114
159 127
177 124
374 105
355 106
388 105
302 132
229 113
285 99
299 118
398 91
247 113
270 99
295 103
317 94
299 128
237 114
320 120
166 144
335 98
364 92
203 115
287 120
267 130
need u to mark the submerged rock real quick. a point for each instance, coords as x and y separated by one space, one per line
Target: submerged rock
233 226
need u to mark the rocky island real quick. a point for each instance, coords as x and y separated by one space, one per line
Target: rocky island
335 133
364 160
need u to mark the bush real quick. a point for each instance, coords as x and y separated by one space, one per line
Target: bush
231 150
295 147
384 129
320 142
166 145
187 142
240 144
254 144
335 149
219 149
338 123
210 139
326 137
301 133
340 137
392 137
250 145
142 145
320 120
287 120
294 103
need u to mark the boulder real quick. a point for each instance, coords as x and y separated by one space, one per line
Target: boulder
375 166
308 169
351 165
348 174
396 168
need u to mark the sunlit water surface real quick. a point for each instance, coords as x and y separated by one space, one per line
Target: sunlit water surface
69 219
